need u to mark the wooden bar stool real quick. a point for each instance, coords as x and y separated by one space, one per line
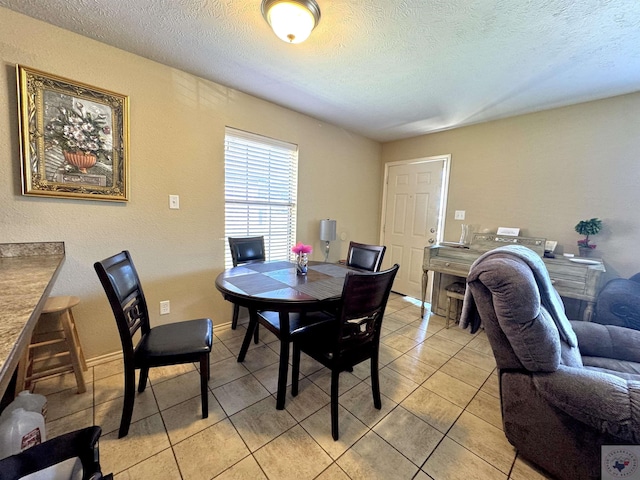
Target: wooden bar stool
455 292
55 346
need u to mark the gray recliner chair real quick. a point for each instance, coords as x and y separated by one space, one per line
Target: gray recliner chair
566 388
618 303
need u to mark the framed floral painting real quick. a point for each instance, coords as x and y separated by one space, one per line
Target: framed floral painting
74 138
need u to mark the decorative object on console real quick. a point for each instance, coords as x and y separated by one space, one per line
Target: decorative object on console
302 252
586 228
327 234
74 138
291 20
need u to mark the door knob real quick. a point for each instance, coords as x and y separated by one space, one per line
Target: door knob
431 240
433 230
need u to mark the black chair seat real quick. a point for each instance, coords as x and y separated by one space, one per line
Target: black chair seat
298 323
175 343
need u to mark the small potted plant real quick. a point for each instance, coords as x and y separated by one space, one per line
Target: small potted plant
587 228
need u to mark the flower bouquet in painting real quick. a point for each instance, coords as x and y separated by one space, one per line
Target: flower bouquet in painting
302 252
82 135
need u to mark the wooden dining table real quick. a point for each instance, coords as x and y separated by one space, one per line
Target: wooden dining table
276 287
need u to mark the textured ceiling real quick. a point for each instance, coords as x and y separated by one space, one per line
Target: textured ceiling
387 69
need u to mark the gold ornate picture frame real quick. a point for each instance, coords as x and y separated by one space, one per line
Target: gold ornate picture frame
74 138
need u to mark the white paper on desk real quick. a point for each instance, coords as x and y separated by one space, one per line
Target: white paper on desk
510 231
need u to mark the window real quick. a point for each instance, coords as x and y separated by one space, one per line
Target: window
260 185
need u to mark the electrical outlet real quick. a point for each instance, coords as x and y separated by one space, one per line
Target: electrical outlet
174 202
165 307
459 214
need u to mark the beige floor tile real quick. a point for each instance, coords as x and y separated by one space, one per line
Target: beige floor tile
57 383
260 358
525 470
309 400
75 421
486 407
399 342
481 344
177 390
414 332
239 394
107 369
268 377
146 438
442 345
245 469
359 401
483 439
294 455
234 343
261 422
210 452
109 388
226 371
492 385
66 402
469 374
108 414
350 430
451 461
333 472
373 458
363 369
224 333
412 437
308 365
185 419
161 466
393 385
432 408
450 388
322 378
477 359
455 334
429 355
218 352
158 375
412 368
387 355
393 323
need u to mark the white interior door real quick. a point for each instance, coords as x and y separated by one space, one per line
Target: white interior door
413 217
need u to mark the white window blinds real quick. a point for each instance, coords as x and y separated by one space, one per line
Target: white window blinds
260 185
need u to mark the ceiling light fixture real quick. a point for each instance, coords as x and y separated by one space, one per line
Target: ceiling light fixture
291 20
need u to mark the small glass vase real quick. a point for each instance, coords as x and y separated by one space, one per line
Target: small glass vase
301 263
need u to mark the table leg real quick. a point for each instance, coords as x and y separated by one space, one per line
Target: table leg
588 311
253 323
283 370
424 291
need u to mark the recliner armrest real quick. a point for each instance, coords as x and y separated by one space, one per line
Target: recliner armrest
605 402
608 341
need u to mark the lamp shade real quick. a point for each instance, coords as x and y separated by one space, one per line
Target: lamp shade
291 20
327 230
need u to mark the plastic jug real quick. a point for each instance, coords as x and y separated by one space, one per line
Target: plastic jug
31 402
20 430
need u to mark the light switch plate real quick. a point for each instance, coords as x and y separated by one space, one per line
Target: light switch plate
174 202
459 215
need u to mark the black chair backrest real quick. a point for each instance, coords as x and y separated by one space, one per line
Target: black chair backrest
246 249
364 299
122 286
365 257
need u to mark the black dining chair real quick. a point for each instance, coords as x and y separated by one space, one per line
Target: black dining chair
365 257
245 250
169 344
70 455
353 336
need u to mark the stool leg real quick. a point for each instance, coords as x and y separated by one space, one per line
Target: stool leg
73 351
448 310
76 340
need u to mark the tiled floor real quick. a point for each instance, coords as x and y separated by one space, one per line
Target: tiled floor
440 415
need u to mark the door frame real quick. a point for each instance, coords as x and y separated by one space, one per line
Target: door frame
442 210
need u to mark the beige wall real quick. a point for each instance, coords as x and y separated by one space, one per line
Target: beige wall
544 172
177 133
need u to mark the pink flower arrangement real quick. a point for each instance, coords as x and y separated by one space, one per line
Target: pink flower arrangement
300 248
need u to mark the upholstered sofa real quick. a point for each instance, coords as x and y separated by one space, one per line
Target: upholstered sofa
618 303
566 388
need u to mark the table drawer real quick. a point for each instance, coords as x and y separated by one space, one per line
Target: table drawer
448 266
567 286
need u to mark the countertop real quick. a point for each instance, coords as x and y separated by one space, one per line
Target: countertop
27 274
